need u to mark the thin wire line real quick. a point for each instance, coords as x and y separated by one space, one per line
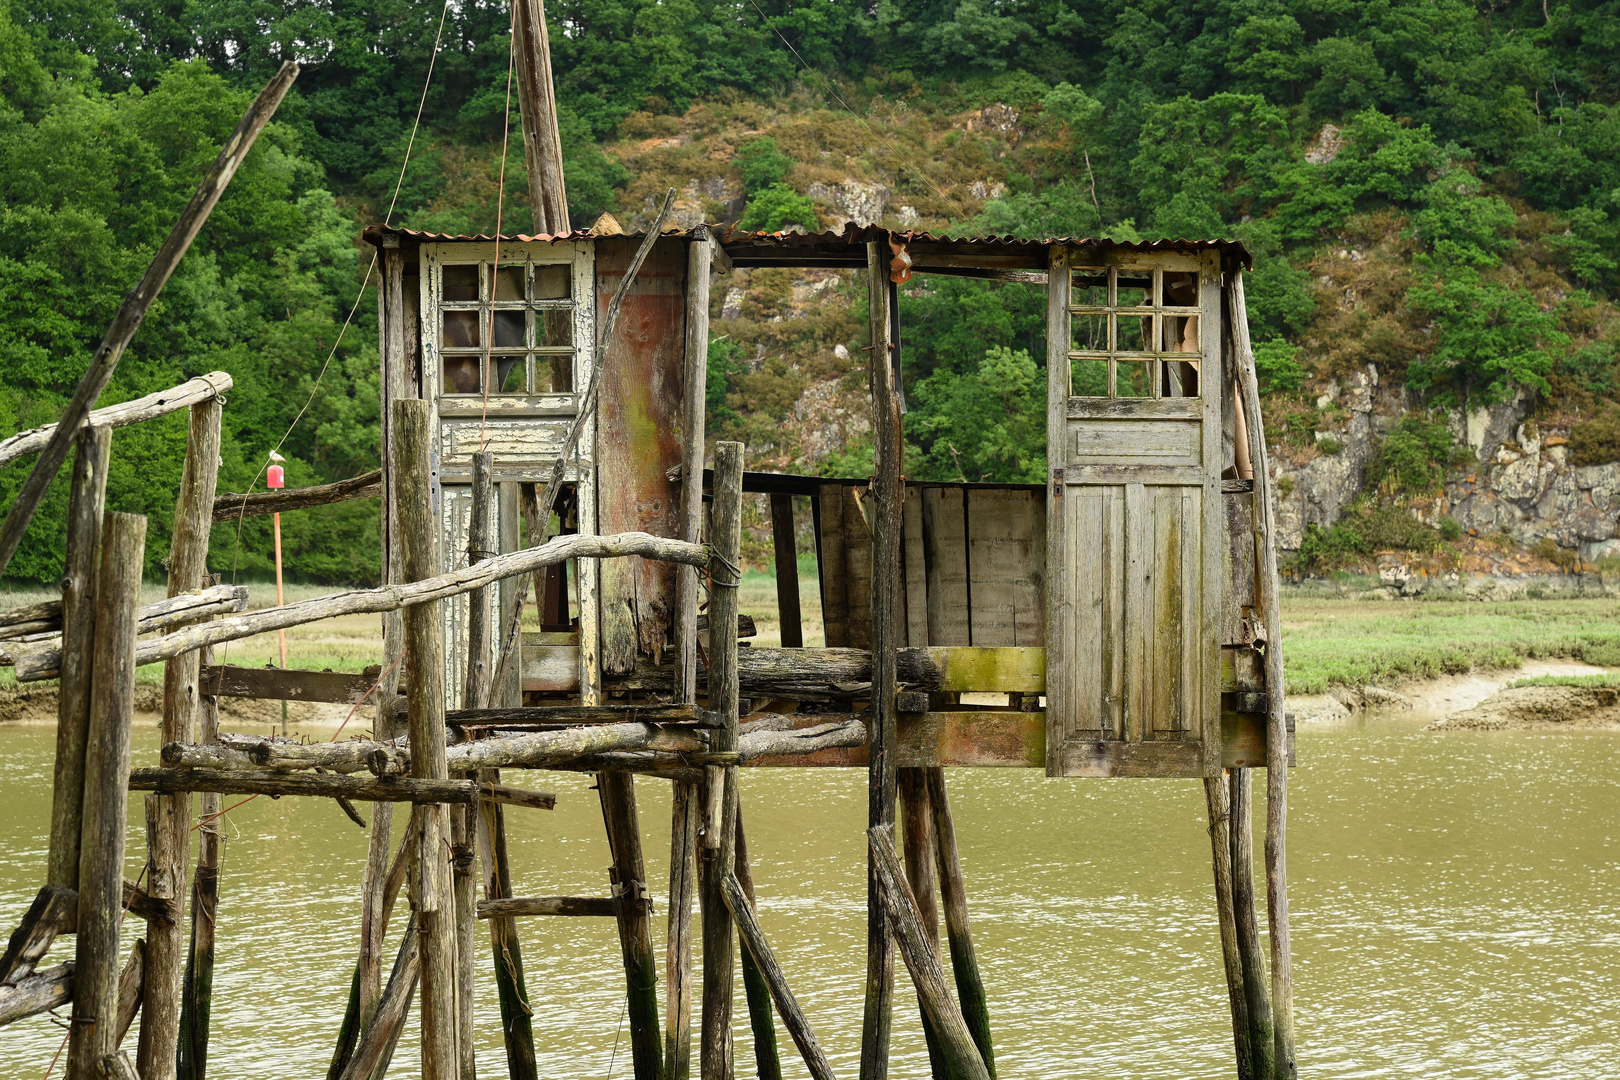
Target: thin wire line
858 118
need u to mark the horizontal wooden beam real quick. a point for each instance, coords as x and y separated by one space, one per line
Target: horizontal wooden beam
187 394
231 506
563 716
44 620
332 786
554 905
39 992
276 684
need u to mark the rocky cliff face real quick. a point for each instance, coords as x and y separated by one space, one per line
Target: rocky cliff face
1523 486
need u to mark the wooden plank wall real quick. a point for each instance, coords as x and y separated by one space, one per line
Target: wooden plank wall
974 565
638 440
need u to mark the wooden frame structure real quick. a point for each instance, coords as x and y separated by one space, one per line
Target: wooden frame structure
1119 612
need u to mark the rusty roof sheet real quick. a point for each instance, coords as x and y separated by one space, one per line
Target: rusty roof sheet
851 236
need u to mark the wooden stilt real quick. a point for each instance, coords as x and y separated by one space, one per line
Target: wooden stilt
106 765
1282 964
435 901
1257 999
767 1063
618 796
1217 799
922 961
887 495
510 986
371 1056
953 893
159 1047
755 946
918 843
685 811
685 816
87 504
197 1004
129 989
719 942
475 694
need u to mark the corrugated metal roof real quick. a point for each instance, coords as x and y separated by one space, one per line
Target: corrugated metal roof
850 236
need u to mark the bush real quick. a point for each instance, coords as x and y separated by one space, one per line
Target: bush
1277 364
1448 529
1364 529
1329 445
1565 559
762 165
1596 440
777 207
1412 458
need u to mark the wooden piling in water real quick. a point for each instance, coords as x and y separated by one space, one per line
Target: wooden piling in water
887 496
767 1063
1282 964
918 844
93 1033
435 901
955 1041
197 1003
953 896
618 797
755 946
683 853
475 694
719 940
1218 802
82 569
511 988
157 1057
1257 999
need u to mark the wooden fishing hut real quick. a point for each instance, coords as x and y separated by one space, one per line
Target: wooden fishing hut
1117 620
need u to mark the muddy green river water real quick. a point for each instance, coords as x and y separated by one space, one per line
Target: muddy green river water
1456 913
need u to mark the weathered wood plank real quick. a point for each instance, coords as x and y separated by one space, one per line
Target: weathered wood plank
54 910
1007 565
37 993
945 554
1238 596
787 572
915 566
638 441
275 684
605 906
833 565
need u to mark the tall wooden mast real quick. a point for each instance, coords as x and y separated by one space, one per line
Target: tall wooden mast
542 146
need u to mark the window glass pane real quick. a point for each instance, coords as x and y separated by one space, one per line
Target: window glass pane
509 283
554 328
1090 288
460 330
460 283
509 327
555 374
461 374
1180 288
1090 333
1135 287
1089 378
552 280
509 374
1132 332
1134 379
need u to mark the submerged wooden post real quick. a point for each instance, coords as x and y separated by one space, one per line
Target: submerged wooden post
475 694
82 569
165 963
618 796
424 631
685 808
956 1046
1282 964
1257 1001
511 989
1217 800
887 495
197 1002
767 1063
756 947
953 894
719 940
918 843
94 1030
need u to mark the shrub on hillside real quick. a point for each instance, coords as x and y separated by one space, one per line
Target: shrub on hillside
1412 459
1596 440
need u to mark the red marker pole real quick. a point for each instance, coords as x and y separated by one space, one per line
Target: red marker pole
276 477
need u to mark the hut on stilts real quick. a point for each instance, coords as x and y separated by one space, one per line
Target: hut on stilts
543 404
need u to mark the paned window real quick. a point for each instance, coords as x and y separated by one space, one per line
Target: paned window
1133 333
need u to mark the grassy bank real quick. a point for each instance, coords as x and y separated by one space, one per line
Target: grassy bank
1331 642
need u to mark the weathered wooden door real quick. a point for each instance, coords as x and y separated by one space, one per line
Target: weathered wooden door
1133 564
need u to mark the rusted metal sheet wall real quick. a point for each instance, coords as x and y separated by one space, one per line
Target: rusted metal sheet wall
638 440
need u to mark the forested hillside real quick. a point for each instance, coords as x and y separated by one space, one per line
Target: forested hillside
1429 187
